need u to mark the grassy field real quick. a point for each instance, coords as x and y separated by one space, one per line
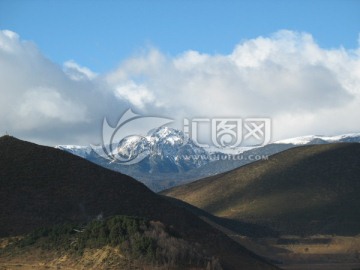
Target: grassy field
91 259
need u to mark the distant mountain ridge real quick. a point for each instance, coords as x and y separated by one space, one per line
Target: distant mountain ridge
319 139
264 152
170 156
168 163
168 144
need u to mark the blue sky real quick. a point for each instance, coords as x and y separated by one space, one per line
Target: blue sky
295 62
101 34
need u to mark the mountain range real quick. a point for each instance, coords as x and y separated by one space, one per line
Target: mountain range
173 159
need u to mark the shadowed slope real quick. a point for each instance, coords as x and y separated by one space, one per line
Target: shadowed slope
305 190
41 186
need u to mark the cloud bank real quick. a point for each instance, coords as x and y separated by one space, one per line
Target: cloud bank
46 103
287 76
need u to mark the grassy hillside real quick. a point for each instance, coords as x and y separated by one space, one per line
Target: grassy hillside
304 191
131 241
41 187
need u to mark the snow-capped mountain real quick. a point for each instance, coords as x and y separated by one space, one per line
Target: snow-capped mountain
162 142
81 151
170 154
173 159
317 139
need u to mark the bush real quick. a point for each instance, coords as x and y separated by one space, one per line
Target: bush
138 239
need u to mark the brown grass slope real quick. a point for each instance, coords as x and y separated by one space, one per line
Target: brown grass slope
306 190
42 186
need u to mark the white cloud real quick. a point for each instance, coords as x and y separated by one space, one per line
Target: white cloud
137 94
304 88
9 41
42 103
77 72
287 76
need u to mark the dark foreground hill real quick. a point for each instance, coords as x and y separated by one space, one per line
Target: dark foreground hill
41 187
303 191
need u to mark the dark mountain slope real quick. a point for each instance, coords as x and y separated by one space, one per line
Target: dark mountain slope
304 190
42 186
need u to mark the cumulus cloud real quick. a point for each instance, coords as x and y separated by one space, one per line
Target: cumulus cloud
43 104
136 94
77 72
287 76
46 103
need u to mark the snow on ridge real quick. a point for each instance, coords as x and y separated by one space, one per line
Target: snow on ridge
69 146
174 137
307 139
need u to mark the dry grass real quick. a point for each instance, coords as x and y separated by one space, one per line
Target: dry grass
316 252
92 259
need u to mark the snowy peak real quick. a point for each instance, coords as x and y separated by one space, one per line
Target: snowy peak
161 141
164 148
170 141
171 158
319 139
166 133
81 151
168 136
